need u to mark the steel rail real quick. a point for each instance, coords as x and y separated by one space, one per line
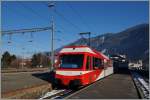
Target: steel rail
141 85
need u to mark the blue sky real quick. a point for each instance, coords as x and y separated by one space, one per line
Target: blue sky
96 17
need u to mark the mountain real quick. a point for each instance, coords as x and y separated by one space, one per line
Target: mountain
133 42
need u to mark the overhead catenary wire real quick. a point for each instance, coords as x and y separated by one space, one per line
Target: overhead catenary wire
81 18
33 11
32 29
37 14
36 30
44 18
68 21
25 30
64 18
26 18
16 12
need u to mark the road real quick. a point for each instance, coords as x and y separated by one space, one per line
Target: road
116 86
14 81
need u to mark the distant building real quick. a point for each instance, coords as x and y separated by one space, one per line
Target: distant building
136 64
24 62
120 62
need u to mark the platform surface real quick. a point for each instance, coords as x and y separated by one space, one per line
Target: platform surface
116 86
15 81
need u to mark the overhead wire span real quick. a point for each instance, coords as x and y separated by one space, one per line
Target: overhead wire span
81 18
33 11
46 5
16 12
37 14
43 18
25 30
65 19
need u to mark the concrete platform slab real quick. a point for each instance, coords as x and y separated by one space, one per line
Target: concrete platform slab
116 86
14 81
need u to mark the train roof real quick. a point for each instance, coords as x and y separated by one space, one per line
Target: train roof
76 49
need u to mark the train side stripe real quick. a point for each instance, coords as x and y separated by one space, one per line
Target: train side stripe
72 73
67 50
101 75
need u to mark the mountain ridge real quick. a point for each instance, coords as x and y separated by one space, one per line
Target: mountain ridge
133 42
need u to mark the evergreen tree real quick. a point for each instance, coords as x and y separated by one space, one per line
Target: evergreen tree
7 59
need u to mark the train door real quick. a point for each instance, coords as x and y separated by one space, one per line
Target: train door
88 68
105 68
98 68
108 68
94 74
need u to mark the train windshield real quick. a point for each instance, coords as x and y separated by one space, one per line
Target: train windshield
71 61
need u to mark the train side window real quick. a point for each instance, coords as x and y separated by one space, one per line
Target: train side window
92 63
97 63
88 63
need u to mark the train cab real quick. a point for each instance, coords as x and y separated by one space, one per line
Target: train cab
81 65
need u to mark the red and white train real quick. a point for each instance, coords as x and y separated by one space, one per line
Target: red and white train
81 65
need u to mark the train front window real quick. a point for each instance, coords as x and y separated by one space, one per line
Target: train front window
71 61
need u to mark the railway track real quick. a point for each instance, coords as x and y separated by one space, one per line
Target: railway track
58 94
55 94
64 93
141 84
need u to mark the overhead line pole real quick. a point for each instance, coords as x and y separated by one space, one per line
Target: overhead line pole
52 39
52 46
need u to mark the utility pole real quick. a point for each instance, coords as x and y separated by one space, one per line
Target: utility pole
22 58
52 46
52 39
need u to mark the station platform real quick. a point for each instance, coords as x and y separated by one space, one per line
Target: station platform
115 86
25 84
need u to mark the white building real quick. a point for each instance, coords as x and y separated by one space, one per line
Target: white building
137 65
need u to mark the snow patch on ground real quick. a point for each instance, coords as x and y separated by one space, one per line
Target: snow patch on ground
141 83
